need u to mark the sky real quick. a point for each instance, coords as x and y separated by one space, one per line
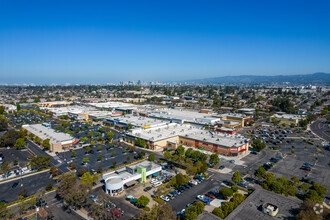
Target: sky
61 41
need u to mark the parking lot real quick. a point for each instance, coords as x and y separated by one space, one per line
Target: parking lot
9 190
190 195
11 155
115 153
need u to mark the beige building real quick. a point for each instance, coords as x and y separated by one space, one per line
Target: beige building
58 141
172 135
288 119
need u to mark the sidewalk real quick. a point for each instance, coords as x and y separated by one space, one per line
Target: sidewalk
27 175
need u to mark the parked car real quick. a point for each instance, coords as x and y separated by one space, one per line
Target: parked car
165 198
193 182
210 195
153 181
242 185
221 167
305 168
147 188
227 183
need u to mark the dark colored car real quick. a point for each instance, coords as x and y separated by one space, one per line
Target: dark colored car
147 188
305 168
14 185
227 183
210 195
221 167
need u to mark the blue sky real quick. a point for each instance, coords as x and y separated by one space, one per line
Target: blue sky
110 41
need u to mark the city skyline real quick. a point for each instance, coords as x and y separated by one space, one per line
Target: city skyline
60 42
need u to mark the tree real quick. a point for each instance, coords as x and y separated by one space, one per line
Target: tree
88 149
5 168
9 138
90 134
321 190
54 170
199 207
167 155
191 213
276 187
110 136
218 212
86 178
227 207
73 153
237 177
260 172
307 212
38 140
188 152
214 159
49 186
85 159
180 151
40 162
46 144
159 212
258 145
151 157
142 201
72 165
226 192
237 199
234 188
113 153
178 180
81 172
100 157
99 148
313 196
20 143
114 163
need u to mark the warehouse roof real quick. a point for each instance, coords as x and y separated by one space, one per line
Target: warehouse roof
46 132
173 130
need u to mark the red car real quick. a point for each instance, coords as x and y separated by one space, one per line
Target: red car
116 212
305 168
210 195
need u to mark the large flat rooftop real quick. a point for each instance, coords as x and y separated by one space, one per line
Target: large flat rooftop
47 132
138 121
184 115
112 105
189 131
250 208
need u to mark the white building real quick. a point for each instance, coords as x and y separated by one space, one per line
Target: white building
116 180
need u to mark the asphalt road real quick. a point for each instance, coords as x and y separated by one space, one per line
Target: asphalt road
39 152
9 192
321 128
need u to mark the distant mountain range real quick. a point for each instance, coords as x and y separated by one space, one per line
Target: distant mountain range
315 78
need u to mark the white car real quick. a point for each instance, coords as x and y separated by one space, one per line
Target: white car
200 197
165 198
193 182
153 181
157 184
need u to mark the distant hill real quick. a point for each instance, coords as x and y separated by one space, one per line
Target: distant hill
316 78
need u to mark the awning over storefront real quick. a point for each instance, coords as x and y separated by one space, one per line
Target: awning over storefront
131 183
